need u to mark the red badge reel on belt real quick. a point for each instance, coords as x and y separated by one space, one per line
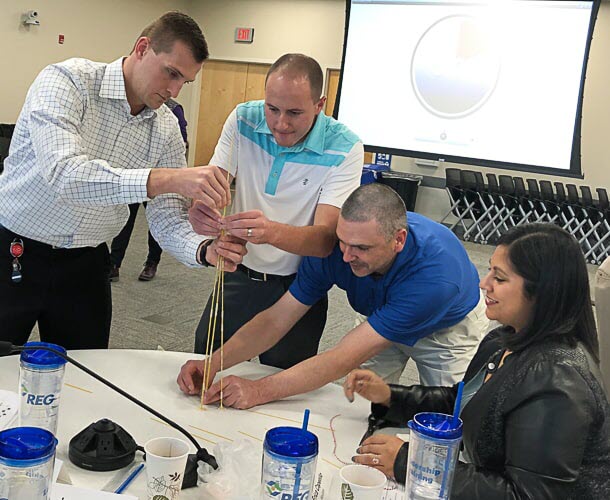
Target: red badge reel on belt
16 252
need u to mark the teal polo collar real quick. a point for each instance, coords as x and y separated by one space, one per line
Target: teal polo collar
314 141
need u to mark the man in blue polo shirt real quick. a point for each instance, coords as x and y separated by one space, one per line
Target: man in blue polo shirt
414 282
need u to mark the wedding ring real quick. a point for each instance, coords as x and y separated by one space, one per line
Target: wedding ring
249 232
375 461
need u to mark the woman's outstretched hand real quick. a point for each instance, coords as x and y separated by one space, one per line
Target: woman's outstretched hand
369 385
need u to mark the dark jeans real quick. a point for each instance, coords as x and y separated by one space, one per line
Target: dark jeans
121 241
244 299
66 291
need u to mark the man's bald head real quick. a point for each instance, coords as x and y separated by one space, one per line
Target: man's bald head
300 65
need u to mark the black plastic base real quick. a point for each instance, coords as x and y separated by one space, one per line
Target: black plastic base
102 446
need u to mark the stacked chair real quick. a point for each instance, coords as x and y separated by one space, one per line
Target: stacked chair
485 207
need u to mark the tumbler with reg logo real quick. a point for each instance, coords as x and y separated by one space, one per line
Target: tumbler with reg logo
27 456
434 445
41 376
289 463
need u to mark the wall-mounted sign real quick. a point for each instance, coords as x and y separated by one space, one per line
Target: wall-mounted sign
383 159
244 35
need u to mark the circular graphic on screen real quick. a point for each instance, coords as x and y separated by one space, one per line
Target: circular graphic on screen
455 66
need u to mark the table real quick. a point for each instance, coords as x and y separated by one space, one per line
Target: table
150 376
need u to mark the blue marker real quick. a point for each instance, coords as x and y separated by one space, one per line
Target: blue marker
129 478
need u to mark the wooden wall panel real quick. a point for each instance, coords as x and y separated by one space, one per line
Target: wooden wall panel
223 87
255 83
332 84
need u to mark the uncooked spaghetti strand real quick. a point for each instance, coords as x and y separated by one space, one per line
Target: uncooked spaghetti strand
217 298
222 309
209 342
222 331
215 317
210 339
211 331
207 346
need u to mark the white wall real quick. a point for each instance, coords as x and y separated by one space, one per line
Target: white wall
316 28
105 29
313 27
101 30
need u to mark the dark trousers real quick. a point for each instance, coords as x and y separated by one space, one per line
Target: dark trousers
121 241
244 299
66 291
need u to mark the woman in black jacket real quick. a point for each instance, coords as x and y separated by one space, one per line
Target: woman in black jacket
536 418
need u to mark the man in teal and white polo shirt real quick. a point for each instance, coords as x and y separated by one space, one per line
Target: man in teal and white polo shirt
293 168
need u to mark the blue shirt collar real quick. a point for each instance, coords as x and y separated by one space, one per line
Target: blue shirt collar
404 257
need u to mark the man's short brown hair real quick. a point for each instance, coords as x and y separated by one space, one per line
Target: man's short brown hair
301 65
173 26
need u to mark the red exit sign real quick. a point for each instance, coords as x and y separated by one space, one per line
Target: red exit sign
244 35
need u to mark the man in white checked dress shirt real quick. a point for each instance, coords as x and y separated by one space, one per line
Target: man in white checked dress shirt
92 138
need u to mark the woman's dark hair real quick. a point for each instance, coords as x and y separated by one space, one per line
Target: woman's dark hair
553 267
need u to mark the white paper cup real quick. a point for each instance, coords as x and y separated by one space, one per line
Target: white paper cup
165 464
358 482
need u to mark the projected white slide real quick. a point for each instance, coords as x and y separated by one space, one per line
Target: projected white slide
495 80
455 66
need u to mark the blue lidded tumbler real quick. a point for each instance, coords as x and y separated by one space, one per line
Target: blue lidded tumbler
27 457
289 463
41 377
434 446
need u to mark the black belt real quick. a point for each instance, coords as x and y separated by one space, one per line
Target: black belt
256 276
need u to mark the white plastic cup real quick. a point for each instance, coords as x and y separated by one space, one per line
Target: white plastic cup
358 482
165 464
434 445
41 377
27 456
